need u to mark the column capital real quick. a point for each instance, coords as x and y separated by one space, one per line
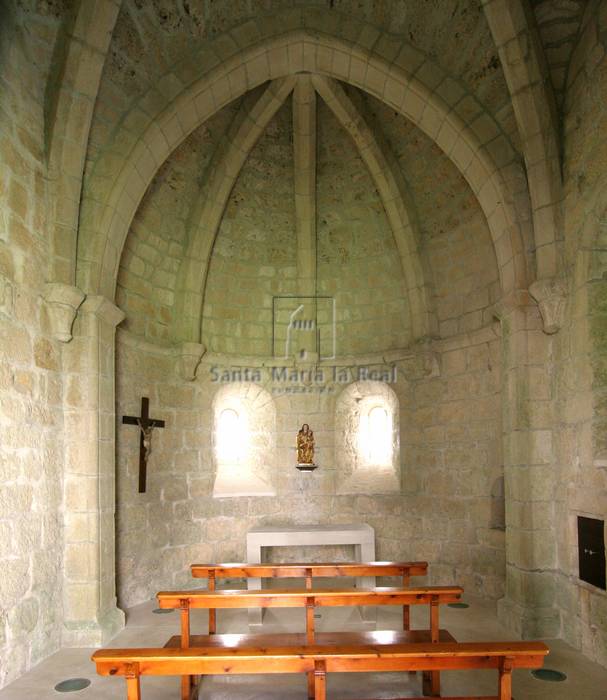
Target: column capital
62 303
188 356
551 297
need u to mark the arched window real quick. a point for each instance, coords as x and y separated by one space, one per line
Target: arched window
367 449
243 440
375 437
232 437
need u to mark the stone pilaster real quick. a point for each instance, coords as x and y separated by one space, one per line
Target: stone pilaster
531 477
90 612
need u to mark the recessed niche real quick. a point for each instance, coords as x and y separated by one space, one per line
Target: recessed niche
591 550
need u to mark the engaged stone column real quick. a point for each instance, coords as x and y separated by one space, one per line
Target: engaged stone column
91 615
531 476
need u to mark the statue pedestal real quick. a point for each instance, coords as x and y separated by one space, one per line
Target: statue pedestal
306 467
361 535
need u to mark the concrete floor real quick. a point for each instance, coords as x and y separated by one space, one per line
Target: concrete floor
586 681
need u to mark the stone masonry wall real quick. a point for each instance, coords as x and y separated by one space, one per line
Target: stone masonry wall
453 493
358 261
453 231
158 235
450 510
31 423
254 256
582 348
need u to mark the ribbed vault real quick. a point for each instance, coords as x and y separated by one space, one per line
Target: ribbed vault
229 159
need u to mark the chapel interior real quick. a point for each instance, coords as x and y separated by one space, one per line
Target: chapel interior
376 227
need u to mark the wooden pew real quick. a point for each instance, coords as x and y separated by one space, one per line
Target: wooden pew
321 660
310 600
310 571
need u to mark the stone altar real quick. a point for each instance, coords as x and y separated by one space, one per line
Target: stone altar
361 535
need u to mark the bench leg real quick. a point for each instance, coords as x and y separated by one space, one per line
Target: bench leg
505 680
186 687
320 680
311 683
431 683
133 689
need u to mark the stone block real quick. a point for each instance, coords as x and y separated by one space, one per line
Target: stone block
453 362
24 617
14 581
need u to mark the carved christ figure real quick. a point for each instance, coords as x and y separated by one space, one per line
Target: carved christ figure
305 445
147 439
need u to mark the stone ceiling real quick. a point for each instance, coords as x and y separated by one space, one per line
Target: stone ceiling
255 254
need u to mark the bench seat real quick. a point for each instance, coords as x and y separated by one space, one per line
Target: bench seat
295 598
296 639
310 599
321 660
310 570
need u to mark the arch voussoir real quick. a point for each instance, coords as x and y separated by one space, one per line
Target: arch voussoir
524 64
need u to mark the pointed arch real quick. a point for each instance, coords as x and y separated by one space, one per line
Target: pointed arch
71 111
287 54
524 65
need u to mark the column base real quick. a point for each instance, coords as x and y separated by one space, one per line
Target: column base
529 623
93 633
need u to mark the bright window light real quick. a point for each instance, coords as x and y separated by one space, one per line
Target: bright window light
232 437
375 437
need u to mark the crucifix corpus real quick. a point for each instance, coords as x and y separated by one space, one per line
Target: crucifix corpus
146 425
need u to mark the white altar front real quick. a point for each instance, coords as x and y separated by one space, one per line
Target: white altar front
362 536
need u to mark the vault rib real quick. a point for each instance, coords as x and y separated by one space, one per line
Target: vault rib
423 321
206 219
304 175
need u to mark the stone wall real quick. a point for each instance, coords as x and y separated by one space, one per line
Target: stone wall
449 509
358 261
31 389
581 348
454 237
453 494
159 233
254 256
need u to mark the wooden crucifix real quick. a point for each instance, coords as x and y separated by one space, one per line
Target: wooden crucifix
146 425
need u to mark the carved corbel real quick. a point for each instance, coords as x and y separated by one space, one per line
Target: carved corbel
188 358
551 297
423 363
62 302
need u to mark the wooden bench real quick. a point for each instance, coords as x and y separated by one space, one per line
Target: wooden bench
320 660
310 571
310 599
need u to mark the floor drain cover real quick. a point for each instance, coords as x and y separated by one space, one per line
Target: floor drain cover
459 606
548 674
72 684
161 611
